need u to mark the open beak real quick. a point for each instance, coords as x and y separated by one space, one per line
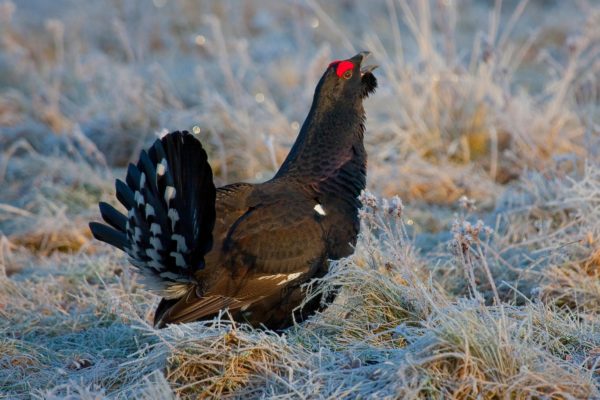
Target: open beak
367 69
360 58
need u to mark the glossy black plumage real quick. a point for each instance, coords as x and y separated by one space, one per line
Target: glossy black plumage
247 247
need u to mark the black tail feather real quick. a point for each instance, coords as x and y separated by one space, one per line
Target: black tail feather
109 235
194 211
133 177
112 216
149 170
124 194
170 200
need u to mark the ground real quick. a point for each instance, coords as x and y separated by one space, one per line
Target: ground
477 272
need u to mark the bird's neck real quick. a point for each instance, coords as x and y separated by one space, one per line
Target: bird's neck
329 149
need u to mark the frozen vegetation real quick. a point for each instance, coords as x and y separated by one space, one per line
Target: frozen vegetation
482 282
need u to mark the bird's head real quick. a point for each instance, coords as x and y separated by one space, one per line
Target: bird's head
335 123
348 81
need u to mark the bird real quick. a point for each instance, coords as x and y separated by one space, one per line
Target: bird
247 248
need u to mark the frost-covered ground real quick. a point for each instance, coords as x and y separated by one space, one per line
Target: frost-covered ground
492 295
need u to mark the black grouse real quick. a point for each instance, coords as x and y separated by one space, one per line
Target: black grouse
247 247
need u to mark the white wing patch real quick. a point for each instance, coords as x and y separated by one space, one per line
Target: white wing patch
285 278
291 277
319 209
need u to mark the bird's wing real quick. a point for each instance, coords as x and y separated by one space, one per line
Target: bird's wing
281 235
265 231
265 249
231 203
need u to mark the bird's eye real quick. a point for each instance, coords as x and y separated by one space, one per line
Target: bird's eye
348 74
342 67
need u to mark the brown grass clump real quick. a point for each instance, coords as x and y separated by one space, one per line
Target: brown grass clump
66 239
224 363
373 284
573 285
558 220
489 353
458 349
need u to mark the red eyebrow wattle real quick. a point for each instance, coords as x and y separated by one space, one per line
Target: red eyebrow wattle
342 67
